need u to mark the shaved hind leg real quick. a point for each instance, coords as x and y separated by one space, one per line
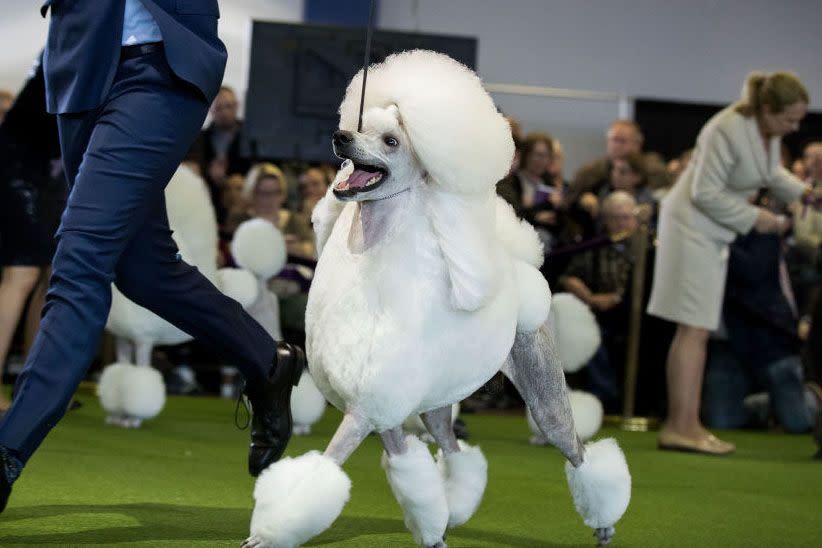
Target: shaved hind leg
534 368
440 426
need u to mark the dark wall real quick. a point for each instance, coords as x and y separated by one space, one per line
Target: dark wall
297 79
671 127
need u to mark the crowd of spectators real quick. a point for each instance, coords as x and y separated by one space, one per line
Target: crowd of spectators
587 223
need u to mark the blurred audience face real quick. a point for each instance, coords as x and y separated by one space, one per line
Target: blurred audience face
622 139
224 109
313 184
6 100
623 176
813 161
232 193
557 163
619 213
779 124
267 198
798 168
537 161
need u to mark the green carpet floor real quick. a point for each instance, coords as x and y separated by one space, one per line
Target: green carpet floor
181 481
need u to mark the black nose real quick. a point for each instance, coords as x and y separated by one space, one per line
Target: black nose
342 137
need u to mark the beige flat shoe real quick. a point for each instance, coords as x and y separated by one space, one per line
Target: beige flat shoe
709 445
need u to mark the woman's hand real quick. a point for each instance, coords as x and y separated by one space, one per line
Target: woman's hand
770 223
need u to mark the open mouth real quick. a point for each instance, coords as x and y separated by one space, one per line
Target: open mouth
363 178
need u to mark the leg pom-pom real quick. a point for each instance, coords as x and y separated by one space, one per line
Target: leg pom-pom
466 475
601 486
418 487
297 499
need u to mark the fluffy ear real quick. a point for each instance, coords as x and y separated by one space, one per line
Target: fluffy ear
328 209
464 228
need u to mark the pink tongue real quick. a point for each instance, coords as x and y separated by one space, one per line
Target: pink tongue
358 178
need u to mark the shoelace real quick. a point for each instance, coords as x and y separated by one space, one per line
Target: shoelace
241 398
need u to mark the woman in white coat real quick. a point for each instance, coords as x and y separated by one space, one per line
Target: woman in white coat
737 153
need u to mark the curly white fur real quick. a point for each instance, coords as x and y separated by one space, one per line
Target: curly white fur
465 474
296 499
534 297
458 135
517 236
601 486
418 487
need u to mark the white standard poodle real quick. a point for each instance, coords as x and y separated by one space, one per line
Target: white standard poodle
426 286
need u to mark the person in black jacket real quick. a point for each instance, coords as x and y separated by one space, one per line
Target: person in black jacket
761 348
32 197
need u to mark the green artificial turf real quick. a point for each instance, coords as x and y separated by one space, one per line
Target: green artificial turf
181 481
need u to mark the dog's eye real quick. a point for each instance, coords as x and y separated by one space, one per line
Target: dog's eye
391 141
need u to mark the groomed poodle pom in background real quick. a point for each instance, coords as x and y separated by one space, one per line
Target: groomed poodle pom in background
455 118
576 331
110 388
307 405
239 284
587 411
259 246
145 392
133 392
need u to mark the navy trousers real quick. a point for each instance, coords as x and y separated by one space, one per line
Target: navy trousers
118 160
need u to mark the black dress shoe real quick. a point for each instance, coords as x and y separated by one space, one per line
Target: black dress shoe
271 409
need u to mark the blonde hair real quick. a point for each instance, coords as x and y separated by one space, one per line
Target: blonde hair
259 172
777 91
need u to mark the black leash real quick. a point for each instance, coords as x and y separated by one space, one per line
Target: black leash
367 59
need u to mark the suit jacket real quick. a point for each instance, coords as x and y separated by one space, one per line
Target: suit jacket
83 48
729 165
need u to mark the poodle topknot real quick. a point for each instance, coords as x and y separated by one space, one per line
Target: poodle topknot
447 114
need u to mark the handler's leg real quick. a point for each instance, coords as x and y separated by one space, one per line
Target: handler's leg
129 149
152 274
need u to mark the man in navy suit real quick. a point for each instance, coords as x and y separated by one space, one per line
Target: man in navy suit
131 82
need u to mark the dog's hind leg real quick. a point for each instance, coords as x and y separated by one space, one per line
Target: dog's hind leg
299 498
124 350
463 467
597 474
534 368
417 485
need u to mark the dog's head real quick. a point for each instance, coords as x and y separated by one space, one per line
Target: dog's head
382 160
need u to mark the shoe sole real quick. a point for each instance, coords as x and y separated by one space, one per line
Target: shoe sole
684 449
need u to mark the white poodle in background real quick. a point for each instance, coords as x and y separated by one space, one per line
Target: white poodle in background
130 389
258 246
426 286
